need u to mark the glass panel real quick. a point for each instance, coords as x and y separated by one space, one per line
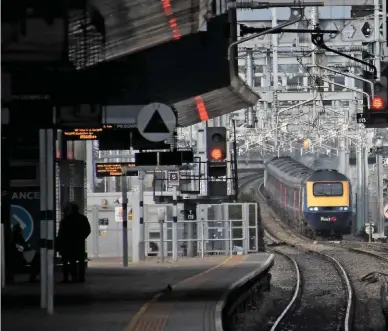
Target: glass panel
235 211
328 189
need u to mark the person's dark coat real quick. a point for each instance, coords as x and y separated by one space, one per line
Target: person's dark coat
73 232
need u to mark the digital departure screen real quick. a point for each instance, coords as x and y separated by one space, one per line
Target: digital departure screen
114 169
84 133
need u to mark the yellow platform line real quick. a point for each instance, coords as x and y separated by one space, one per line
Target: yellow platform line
159 311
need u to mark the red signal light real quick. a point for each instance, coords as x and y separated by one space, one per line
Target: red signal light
377 103
216 154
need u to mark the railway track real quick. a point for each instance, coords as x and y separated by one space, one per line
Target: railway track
360 267
246 180
318 275
315 275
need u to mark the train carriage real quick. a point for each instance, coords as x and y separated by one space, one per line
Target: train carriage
314 202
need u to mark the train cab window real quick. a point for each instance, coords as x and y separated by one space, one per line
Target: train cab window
328 189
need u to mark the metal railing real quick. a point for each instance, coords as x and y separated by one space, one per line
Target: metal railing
223 229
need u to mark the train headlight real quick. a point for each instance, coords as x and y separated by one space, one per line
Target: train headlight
341 208
311 209
315 208
346 208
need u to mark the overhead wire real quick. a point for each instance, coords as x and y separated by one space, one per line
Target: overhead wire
315 78
315 126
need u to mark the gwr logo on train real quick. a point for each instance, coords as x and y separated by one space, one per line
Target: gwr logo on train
330 219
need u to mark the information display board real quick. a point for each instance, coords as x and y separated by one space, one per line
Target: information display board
84 133
114 169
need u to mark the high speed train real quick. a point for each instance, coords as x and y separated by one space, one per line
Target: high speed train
315 202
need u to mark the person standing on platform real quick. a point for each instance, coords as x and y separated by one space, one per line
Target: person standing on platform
73 231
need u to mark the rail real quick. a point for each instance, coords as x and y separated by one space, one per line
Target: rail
296 293
348 320
377 251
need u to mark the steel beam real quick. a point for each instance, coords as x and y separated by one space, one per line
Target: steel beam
302 96
323 2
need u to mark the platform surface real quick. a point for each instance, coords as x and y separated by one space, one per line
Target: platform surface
135 298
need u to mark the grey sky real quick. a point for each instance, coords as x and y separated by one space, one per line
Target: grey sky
339 12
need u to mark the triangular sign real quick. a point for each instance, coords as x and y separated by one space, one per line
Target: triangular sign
156 124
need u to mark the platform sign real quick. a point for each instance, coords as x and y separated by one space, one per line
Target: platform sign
115 169
156 122
190 214
25 211
190 211
362 118
385 211
173 178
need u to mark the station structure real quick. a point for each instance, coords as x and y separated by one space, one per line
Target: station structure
148 115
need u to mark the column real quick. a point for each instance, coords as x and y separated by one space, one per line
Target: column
141 217
249 76
360 182
174 224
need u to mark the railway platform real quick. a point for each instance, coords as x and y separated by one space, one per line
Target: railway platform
136 298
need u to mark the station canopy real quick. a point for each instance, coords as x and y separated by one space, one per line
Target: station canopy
189 70
37 30
134 25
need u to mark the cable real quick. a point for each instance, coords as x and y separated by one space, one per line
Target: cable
314 78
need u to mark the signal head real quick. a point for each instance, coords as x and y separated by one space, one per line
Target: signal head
217 138
216 154
378 104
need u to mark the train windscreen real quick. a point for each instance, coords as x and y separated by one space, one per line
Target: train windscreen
328 189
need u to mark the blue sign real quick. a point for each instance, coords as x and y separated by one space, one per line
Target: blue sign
21 216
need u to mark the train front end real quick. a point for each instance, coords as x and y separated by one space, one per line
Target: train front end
327 207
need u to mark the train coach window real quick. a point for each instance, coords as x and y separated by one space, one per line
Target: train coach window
328 189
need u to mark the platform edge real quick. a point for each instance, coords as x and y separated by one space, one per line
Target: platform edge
218 315
137 317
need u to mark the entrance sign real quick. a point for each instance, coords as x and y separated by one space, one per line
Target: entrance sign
156 122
